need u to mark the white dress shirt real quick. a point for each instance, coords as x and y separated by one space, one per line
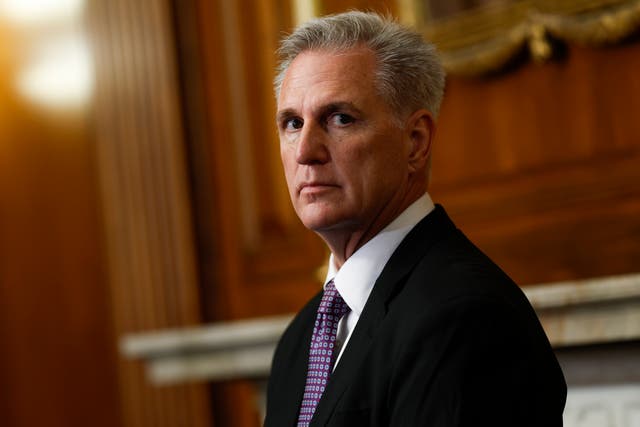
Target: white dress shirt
355 279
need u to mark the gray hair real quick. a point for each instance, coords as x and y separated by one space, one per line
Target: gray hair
409 75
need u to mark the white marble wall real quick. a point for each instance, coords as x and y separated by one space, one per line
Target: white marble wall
603 406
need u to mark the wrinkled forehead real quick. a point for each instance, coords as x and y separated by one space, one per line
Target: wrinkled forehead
322 77
330 71
327 51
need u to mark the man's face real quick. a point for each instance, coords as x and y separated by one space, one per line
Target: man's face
344 156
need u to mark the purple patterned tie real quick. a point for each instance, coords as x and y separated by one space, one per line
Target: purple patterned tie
321 355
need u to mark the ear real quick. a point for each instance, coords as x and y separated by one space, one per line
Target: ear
420 131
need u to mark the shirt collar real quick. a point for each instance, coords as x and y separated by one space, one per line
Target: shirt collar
355 279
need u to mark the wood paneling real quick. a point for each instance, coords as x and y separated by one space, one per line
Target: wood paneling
57 352
540 165
150 245
337 6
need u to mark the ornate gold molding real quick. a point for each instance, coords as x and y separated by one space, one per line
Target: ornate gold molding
485 39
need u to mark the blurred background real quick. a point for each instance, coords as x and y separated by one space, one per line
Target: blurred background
141 190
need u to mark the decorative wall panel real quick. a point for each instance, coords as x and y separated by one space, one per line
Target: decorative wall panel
478 37
140 151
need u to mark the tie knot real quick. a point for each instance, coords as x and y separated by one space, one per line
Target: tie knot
332 302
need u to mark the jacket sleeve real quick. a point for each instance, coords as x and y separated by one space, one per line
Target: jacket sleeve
476 362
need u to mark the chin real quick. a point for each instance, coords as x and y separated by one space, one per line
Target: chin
318 225
323 217
318 222
326 224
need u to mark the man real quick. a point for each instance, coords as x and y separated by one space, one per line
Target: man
415 326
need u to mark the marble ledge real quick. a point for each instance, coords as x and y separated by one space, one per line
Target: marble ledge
590 311
573 313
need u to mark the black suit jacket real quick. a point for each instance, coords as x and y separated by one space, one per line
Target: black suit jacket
445 339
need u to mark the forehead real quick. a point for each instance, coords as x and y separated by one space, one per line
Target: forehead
323 75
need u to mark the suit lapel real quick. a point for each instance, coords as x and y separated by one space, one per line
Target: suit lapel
413 248
293 373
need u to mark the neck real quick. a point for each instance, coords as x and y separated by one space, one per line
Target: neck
345 241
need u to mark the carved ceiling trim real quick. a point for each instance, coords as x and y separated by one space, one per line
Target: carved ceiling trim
485 39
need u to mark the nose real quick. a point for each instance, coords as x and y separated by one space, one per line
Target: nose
312 145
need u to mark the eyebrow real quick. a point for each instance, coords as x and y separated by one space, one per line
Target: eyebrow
284 114
324 110
339 106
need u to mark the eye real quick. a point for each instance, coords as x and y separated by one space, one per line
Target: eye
341 119
293 123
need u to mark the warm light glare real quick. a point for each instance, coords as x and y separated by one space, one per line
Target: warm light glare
61 75
39 11
304 10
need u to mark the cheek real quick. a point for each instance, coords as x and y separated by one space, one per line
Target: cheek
382 171
288 165
291 182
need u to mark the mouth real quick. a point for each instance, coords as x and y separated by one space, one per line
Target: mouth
314 187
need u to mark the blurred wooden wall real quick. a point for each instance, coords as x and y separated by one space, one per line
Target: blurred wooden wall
57 352
96 233
540 166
